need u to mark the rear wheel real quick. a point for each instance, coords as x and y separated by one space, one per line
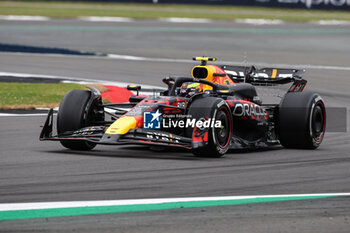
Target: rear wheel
302 120
216 139
72 116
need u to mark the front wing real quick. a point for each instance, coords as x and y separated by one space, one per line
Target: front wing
96 134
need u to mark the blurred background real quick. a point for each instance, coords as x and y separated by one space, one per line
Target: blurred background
143 41
50 47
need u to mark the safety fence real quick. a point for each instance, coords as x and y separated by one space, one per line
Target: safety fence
293 4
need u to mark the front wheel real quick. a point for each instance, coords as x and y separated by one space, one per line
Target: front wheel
214 140
71 116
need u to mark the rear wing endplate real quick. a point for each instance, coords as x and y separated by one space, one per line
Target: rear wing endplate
264 75
267 76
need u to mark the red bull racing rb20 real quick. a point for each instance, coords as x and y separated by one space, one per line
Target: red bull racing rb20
214 110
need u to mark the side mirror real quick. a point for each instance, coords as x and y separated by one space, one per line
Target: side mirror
134 88
136 99
224 92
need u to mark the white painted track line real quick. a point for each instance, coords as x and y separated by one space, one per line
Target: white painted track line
251 21
24 114
185 20
24 18
106 19
154 59
260 21
70 80
296 66
75 80
331 22
49 205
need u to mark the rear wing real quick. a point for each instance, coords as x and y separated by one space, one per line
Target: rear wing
267 76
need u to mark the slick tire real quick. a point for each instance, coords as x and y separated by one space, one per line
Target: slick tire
70 117
219 139
301 120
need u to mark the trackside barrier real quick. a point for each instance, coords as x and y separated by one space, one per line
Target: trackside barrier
294 4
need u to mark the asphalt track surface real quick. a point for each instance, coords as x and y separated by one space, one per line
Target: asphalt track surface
33 171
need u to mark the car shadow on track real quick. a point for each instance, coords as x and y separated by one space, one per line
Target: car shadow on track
254 150
162 153
137 152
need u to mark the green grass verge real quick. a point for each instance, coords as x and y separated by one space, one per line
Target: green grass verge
151 11
33 95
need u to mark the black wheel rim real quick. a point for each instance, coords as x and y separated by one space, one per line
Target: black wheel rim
222 134
318 120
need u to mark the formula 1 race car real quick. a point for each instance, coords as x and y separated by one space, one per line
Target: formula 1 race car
215 110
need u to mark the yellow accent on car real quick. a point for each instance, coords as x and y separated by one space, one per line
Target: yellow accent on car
204 59
274 73
122 125
201 70
204 72
193 85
